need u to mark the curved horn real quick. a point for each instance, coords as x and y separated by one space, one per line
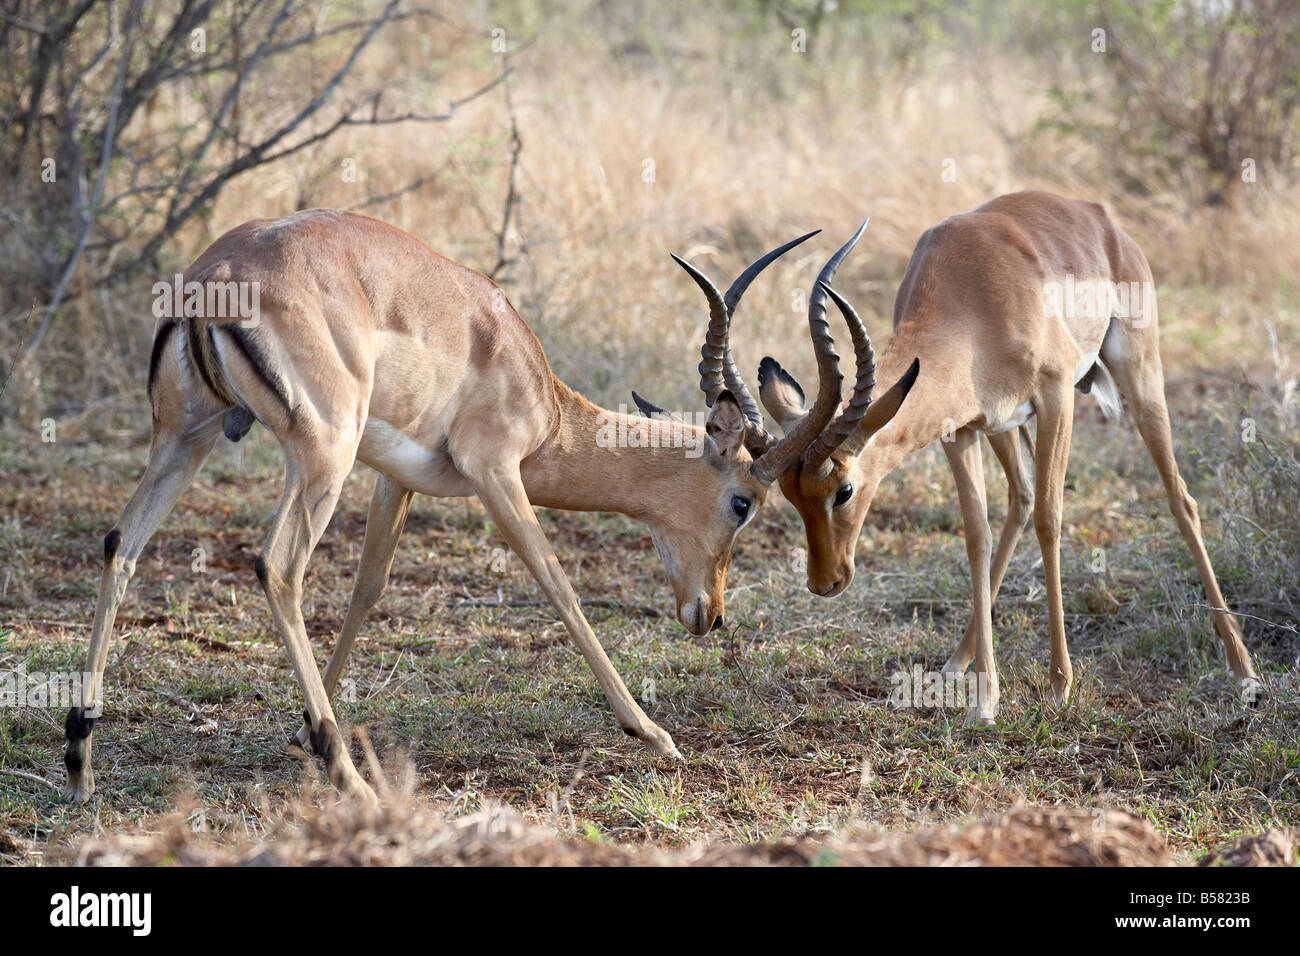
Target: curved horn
717 368
751 272
785 453
712 380
846 422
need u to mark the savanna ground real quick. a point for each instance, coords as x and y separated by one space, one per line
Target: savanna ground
784 717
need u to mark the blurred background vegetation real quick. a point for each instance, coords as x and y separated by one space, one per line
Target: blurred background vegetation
567 147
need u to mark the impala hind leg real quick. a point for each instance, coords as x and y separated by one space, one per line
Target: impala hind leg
174 458
1055 410
1020 504
1015 452
1142 385
968 472
503 496
388 509
313 479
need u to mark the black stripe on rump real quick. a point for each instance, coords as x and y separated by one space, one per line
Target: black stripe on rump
159 343
261 362
199 355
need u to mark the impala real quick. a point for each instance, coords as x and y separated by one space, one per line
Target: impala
980 308
369 346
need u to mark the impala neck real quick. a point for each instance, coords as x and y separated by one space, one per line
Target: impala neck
589 465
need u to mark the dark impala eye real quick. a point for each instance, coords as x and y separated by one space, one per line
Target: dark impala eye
740 506
843 495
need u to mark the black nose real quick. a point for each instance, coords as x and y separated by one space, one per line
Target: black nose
717 623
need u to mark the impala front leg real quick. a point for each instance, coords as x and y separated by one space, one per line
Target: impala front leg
1020 506
968 472
503 496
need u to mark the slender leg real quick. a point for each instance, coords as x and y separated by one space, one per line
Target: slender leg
968 471
313 479
1020 504
388 508
173 461
1020 497
1142 385
1055 410
504 498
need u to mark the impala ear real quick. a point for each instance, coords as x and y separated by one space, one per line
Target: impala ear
651 410
648 409
780 393
726 424
883 409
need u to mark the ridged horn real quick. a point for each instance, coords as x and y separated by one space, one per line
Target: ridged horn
717 368
839 431
785 453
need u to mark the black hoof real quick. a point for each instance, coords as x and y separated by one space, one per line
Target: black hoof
326 741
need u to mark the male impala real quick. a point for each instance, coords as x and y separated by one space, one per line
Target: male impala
370 346
995 348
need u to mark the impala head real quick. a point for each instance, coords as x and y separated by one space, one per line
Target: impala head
831 483
740 460
704 511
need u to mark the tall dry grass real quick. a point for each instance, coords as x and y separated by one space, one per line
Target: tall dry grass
742 156
651 129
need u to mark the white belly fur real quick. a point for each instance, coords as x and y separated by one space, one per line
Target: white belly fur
409 463
1018 417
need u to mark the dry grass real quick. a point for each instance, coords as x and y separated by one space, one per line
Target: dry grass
746 144
784 721
409 832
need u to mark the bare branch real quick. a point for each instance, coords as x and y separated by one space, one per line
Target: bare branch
258 156
20 22
512 192
132 19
